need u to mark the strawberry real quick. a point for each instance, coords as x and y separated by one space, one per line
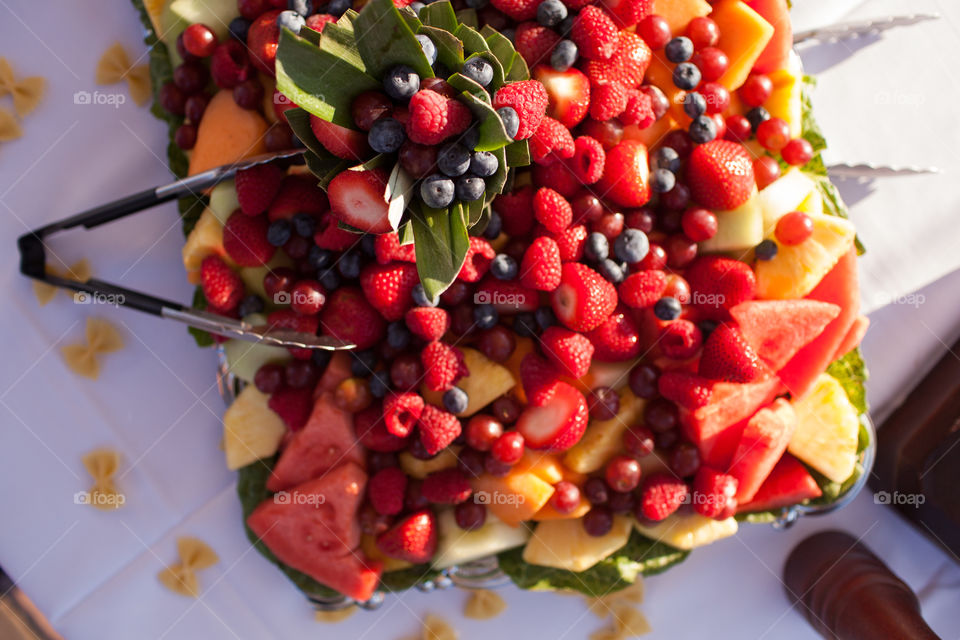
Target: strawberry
680 340
568 351
627 66
718 284
245 240
257 187
616 339
447 486
434 117
713 491
516 210
552 210
401 412
262 38
437 428
643 288
329 235
576 5
347 315
551 142
595 33
389 287
557 421
568 92
340 141
428 323
319 20
413 539
508 297
529 99
661 495
626 175
298 194
358 199
570 243
627 13
584 299
371 431
639 110
607 100
385 490
222 286
557 176
443 365
477 261
292 405
387 248
686 389
588 159
537 376
540 267
519 10
535 42
727 356
720 174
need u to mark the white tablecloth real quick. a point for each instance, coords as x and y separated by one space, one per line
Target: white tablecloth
93 573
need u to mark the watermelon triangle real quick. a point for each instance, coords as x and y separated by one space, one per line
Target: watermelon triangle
323 443
853 338
338 370
789 483
762 444
778 329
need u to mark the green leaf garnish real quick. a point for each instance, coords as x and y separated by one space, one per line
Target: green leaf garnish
473 42
449 47
493 135
442 243
501 47
385 40
518 153
440 15
469 18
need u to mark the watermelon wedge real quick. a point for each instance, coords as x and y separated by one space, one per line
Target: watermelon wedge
789 483
323 443
338 370
762 444
778 329
853 338
840 287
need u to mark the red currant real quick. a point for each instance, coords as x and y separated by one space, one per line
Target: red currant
604 403
656 258
717 97
794 228
610 225
738 128
586 208
185 136
482 431
756 90
773 134
638 441
497 343
622 473
269 378
712 62
199 40
406 371
307 297
566 496
677 288
681 250
279 280
598 521
797 152
368 107
508 448
643 381
766 170
608 133
703 32
655 31
699 224
470 515
248 94
595 491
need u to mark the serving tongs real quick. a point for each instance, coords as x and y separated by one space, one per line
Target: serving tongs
860 28
33 262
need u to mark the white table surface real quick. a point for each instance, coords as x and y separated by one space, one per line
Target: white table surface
93 573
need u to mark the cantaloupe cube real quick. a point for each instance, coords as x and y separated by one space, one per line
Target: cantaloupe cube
227 133
743 36
513 498
416 468
604 439
549 513
678 13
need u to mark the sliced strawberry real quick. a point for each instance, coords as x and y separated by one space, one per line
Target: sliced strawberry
340 141
413 539
626 174
558 423
568 92
357 198
257 187
584 300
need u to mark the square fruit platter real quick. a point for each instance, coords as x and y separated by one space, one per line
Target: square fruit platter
603 295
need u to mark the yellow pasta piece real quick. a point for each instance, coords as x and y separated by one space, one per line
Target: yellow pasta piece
138 81
84 359
436 628
115 66
102 465
332 617
79 271
603 605
630 621
7 78
181 577
484 604
9 127
27 92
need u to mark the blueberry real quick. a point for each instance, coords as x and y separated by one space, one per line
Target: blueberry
511 121
429 49
349 266
379 384
440 70
477 4
564 55
596 248
368 245
250 304
707 327
398 336
611 271
662 180
363 362
679 49
566 25
453 159
319 258
304 224
509 34
686 76
666 158
703 129
416 7
420 297
494 226
479 70
386 135
632 245
303 7
545 318
238 28
279 232
469 188
503 267
766 250
694 104
525 325
290 20
756 117
401 82
667 308
486 316
437 191
550 13
320 358
329 279
484 164
337 8
455 400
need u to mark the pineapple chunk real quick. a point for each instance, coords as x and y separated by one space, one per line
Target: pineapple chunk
422 468
786 101
370 549
251 430
456 546
688 530
812 204
737 229
603 440
205 239
486 382
797 269
565 544
223 200
827 430
783 196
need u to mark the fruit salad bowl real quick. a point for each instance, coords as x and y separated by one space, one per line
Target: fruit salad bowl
603 293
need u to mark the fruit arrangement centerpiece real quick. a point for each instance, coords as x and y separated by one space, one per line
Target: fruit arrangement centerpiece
603 295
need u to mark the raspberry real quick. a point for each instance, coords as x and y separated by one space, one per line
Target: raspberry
588 159
552 210
477 261
627 66
372 433
712 491
257 187
576 4
443 365
551 141
595 34
516 211
681 339
607 101
535 42
388 249
537 377
529 99
437 429
643 288
688 390
428 323
401 412
245 240
519 10
292 405
222 286
386 489
662 494
433 118
627 13
557 176
569 351
570 243
616 339
540 267
639 110
389 288
447 486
